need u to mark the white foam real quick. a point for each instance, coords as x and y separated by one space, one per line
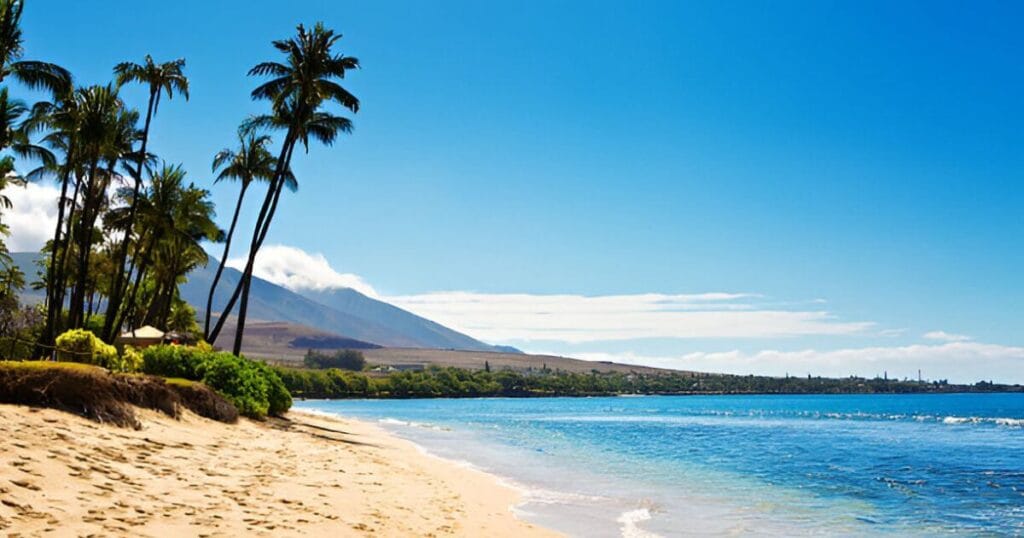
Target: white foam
630 522
547 496
999 421
410 424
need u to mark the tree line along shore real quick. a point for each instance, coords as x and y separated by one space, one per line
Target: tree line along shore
223 386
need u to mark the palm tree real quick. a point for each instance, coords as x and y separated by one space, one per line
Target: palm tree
59 119
35 75
251 162
164 78
172 221
101 123
181 251
298 90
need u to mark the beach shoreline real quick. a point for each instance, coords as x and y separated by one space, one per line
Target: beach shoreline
309 475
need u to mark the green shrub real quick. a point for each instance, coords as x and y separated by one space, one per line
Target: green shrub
131 358
175 361
345 359
279 400
80 345
254 388
240 381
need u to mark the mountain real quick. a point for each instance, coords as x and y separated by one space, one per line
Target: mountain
342 312
409 324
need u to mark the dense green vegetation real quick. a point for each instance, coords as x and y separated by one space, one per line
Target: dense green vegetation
253 387
129 226
437 382
345 359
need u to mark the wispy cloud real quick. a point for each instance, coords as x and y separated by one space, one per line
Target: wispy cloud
579 318
946 337
299 270
573 319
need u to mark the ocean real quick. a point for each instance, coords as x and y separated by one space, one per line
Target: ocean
650 466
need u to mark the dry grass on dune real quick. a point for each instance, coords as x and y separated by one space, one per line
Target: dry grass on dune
97 394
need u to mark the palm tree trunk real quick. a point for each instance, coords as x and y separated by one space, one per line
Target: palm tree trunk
284 163
143 266
85 229
116 291
61 285
223 260
47 335
282 166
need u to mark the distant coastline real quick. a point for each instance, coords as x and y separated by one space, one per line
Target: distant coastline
450 382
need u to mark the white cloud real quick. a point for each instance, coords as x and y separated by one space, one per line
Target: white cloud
964 362
521 317
946 337
577 318
298 270
32 217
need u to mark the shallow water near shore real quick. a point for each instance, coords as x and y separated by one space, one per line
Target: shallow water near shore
728 465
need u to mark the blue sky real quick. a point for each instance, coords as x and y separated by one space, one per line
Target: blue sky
859 160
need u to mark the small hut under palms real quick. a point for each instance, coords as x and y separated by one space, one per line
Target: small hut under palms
142 337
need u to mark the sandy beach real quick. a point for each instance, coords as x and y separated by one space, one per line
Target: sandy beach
62 475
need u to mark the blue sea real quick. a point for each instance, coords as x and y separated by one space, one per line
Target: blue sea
736 465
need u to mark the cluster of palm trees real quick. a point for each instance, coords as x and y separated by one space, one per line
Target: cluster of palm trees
129 227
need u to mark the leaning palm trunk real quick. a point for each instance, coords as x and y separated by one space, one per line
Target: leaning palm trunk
262 224
223 260
247 278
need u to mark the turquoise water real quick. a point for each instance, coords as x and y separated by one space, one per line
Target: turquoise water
718 465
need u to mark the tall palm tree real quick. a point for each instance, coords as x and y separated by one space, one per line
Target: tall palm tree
164 78
298 90
154 219
59 119
101 122
251 162
35 75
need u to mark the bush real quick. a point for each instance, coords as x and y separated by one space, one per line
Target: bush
131 359
80 345
175 361
254 388
279 400
240 381
346 359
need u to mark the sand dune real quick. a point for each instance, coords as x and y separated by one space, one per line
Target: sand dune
62 475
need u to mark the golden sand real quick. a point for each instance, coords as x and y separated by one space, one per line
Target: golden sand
62 475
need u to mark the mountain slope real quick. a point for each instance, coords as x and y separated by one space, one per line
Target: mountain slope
403 321
341 312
